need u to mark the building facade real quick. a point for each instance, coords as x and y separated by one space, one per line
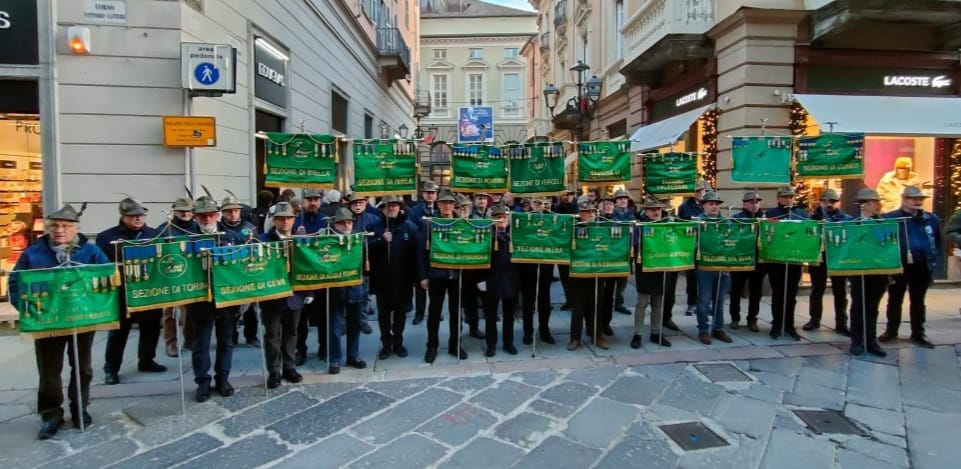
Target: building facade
475 77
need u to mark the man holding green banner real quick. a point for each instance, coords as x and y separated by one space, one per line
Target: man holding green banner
62 244
712 285
784 277
867 290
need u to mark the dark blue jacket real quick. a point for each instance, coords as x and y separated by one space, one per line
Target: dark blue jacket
244 229
834 216
292 303
623 214
178 227
312 223
923 237
566 209
40 255
420 210
501 278
121 233
795 213
690 209
392 273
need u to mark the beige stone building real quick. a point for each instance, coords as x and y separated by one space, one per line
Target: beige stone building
472 74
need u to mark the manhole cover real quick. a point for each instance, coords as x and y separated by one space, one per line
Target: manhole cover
721 372
827 421
693 436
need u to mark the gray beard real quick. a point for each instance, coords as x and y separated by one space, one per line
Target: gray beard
208 229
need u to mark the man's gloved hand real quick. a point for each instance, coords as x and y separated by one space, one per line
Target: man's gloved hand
308 300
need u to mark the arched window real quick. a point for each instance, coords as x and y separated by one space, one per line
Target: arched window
440 164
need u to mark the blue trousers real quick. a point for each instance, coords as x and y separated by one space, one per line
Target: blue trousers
346 317
207 319
711 288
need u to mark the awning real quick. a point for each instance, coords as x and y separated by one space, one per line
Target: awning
665 132
885 115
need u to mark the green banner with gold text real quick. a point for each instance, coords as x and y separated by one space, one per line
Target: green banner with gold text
601 249
608 162
459 243
670 173
667 246
385 167
789 241
478 168
165 273
541 238
327 261
300 160
536 168
249 273
728 244
862 248
63 300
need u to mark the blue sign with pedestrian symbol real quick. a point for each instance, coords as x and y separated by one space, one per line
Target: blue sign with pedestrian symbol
206 73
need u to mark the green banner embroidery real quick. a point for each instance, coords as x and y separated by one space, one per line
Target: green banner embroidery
165 273
761 160
670 173
536 168
478 168
64 300
726 245
458 243
300 160
862 248
668 246
541 238
601 249
327 261
384 167
608 162
831 156
789 241
249 273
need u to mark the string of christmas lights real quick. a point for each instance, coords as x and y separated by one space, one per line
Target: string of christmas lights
954 170
709 139
797 124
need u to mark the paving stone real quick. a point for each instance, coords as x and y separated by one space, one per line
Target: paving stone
645 430
880 420
601 422
599 376
536 378
569 394
468 384
104 429
158 408
878 451
458 425
689 393
525 429
834 363
331 453
260 416
666 372
251 451
402 389
556 452
20 434
483 452
807 395
848 458
551 409
179 425
782 366
874 385
412 451
324 391
406 415
243 398
938 366
762 393
743 452
776 381
12 411
890 440
786 420
818 377
930 445
636 390
172 453
634 451
789 450
330 416
505 396
738 414
97 456
658 412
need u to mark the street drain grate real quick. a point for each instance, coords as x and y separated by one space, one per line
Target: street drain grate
693 436
722 372
828 421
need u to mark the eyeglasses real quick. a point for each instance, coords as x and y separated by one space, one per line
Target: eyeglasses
61 226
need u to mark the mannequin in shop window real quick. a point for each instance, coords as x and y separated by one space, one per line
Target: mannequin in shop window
893 183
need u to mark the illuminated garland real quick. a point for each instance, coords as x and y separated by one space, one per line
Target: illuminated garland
954 171
797 124
709 139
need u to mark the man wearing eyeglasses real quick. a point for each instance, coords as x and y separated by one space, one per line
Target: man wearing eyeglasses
132 226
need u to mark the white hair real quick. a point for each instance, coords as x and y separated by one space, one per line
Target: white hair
332 196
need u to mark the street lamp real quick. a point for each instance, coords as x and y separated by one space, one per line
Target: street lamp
402 130
581 105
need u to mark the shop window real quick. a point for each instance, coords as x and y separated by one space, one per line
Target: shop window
338 112
440 155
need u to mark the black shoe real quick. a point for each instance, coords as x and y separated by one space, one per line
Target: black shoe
87 419
752 326
400 351
792 333
547 338
300 358
333 369
857 350
356 363
621 309
418 318
463 354
273 380
527 340
608 331
888 336
877 351
151 367
384 353
565 307
490 351
636 341
477 334
811 325
734 325
110 377
431 355
659 340
670 325
691 309
365 328
224 388
292 376
842 330
775 334
509 348
49 428
254 342
922 341
203 391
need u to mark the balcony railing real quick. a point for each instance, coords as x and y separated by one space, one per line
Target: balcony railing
392 47
659 18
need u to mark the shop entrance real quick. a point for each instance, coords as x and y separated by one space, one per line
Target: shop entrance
265 122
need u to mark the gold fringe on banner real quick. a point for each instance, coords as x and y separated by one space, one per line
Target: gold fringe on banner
322 286
604 275
855 273
459 266
666 269
541 261
382 193
719 268
168 304
304 185
107 326
255 299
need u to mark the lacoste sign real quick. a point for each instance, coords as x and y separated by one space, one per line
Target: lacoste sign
918 81
691 97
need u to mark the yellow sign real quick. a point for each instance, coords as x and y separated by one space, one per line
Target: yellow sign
190 131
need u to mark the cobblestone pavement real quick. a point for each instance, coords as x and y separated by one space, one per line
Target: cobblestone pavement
559 409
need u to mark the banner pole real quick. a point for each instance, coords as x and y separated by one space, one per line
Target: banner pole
660 312
594 335
717 301
79 385
864 317
784 302
457 312
330 328
537 306
180 357
262 331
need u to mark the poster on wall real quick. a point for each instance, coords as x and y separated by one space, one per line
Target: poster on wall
475 124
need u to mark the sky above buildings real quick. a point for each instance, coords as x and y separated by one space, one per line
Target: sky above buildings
519 4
